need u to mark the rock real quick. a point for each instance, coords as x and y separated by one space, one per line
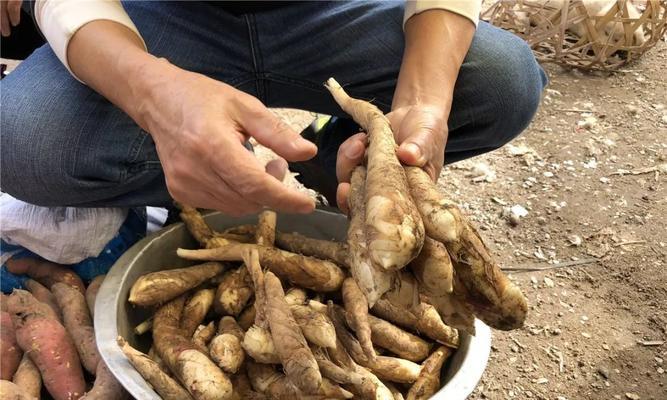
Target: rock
632 109
482 172
575 240
548 282
632 396
604 372
587 123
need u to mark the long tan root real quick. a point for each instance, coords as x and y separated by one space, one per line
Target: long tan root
494 298
429 379
199 375
356 307
159 287
10 390
322 249
226 348
433 269
402 343
28 378
275 385
423 319
265 235
196 225
394 229
195 310
203 336
372 279
106 386
162 383
307 272
233 293
259 345
91 293
316 326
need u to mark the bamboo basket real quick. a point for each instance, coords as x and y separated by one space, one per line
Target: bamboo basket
564 32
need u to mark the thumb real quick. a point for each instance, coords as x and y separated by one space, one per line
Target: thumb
415 149
274 133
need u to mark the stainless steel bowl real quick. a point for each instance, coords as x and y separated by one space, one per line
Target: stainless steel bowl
114 316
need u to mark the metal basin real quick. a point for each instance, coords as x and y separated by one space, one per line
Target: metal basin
114 316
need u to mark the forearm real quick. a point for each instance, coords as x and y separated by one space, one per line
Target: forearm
111 59
436 42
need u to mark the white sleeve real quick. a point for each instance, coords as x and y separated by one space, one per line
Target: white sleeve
60 19
467 8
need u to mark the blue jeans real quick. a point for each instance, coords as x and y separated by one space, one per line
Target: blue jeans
64 145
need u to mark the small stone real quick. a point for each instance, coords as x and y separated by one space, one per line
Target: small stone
516 212
575 240
587 123
548 174
604 180
541 381
586 335
664 119
605 346
632 109
548 282
604 372
533 280
632 396
660 370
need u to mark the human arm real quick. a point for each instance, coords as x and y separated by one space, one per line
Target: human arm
436 42
198 124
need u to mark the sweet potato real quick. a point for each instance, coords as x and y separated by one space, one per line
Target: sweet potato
41 293
494 298
11 391
373 280
27 377
199 375
106 386
10 352
162 383
50 347
78 323
233 293
356 307
323 249
429 378
159 287
394 229
91 293
45 272
307 272
195 310
423 319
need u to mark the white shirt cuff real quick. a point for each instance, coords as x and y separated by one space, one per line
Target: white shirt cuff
60 19
467 8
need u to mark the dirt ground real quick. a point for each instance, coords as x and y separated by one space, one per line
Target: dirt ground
589 175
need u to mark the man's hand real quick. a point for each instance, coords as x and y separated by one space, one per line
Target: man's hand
436 42
10 15
199 126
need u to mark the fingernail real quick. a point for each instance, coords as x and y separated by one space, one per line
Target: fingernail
414 150
354 150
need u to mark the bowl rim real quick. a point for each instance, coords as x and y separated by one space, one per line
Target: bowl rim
460 384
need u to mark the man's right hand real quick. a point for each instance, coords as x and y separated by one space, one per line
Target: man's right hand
10 15
199 126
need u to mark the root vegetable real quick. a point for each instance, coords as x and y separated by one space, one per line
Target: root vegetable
390 368
28 378
106 386
454 311
11 391
45 272
322 249
493 297
372 279
429 379
10 352
226 348
162 383
40 334
307 272
195 310
356 307
316 327
196 225
91 293
337 374
78 323
405 292
144 327
159 287
295 355
203 336
398 341
153 355
259 345
267 380
394 391
433 268
423 318
296 296
394 230
233 293
199 375
247 317
265 235
243 388
41 293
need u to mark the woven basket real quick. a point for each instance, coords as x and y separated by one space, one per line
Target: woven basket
564 32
